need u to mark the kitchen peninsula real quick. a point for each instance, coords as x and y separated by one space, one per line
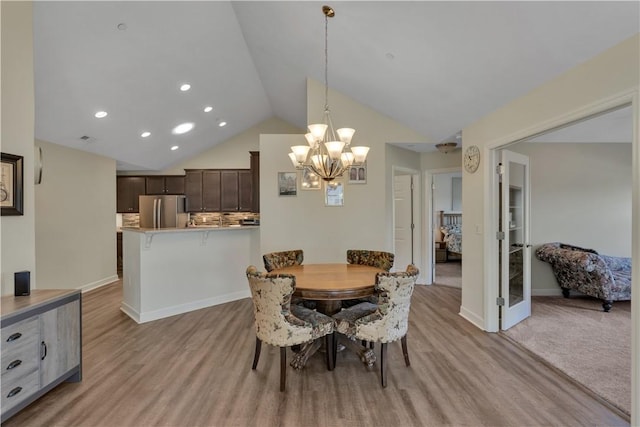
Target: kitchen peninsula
176 270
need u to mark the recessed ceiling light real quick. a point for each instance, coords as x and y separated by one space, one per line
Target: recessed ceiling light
122 26
101 114
222 123
185 87
145 134
182 128
174 148
208 109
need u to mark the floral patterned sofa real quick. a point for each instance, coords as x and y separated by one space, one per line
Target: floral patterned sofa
585 270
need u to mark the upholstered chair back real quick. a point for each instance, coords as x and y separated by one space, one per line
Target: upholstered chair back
379 259
282 259
391 319
274 322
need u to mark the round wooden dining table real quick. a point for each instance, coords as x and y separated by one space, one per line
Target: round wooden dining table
329 284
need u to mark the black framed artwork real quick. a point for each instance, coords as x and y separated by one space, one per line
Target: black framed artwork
11 184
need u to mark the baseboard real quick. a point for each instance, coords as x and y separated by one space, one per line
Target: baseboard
473 318
98 284
546 292
130 311
150 316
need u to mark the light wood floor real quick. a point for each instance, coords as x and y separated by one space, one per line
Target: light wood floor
195 370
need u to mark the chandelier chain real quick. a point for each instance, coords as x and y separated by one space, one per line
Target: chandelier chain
326 62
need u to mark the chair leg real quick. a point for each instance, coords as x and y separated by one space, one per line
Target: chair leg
334 348
403 340
328 343
256 357
383 362
283 368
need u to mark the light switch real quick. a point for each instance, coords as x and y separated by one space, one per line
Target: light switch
478 230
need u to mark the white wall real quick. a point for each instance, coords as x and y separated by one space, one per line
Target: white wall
75 223
566 96
581 195
18 232
442 194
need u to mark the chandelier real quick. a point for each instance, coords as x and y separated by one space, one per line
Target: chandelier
446 147
328 153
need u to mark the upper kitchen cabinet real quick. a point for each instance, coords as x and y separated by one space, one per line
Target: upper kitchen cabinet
255 180
219 190
236 192
129 188
202 188
165 184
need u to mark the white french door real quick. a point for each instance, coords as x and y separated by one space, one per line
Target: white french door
515 245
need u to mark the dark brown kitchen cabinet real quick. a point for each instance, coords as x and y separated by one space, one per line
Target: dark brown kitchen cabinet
255 180
165 184
245 196
236 190
202 188
219 190
128 189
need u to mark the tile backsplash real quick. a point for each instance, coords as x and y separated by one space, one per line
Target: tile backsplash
228 218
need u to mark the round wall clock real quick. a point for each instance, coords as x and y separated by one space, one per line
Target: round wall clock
471 158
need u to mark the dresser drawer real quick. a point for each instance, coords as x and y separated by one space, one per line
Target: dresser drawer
14 336
20 360
14 392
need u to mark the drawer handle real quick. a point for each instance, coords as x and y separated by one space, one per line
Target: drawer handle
14 392
43 346
14 364
14 337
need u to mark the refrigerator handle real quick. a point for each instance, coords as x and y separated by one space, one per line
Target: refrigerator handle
159 213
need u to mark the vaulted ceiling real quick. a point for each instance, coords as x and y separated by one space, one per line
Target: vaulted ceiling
436 67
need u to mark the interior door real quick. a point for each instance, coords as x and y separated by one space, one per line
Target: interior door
403 231
515 247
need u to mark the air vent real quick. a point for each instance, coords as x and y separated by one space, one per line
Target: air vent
88 139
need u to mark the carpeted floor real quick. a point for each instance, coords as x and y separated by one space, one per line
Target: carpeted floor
589 345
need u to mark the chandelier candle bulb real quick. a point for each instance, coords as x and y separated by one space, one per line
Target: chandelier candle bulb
360 154
294 160
347 159
318 130
334 148
300 151
346 134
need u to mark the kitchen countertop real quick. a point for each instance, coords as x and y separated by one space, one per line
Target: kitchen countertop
188 229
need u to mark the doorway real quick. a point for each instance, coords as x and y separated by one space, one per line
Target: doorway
446 241
406 219
581 195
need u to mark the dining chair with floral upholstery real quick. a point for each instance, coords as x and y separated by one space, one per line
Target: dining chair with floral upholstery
380 259
274 260
384 322
281 324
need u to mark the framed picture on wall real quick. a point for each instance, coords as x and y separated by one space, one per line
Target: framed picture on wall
310 180
287 184
11 184
334 193
358 174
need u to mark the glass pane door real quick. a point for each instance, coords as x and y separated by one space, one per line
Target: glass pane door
515 247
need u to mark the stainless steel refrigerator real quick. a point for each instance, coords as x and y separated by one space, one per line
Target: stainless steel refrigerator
163 212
